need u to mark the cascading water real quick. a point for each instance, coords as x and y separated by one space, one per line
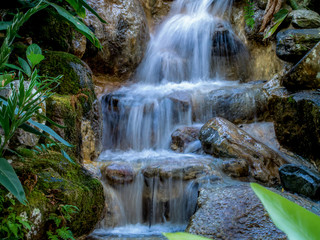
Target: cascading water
189 59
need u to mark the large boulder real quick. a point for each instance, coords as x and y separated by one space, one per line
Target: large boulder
293 44
306 73
183 138
305 19
51 181
222 139
235 212
76 74
300 179
296 119
123 38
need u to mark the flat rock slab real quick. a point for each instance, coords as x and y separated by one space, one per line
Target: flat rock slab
235 212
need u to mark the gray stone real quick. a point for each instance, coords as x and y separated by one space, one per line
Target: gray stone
223 139
293 44
300 179
183 137
235 212
296 119
236 167
305 19
306 73
123 38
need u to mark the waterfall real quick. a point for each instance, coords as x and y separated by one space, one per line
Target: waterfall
193 54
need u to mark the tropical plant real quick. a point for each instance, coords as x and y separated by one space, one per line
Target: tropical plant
59 230
294 220
17 110
183 236
11 226
249 13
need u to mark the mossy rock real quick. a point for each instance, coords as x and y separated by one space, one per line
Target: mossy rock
76 73
51 181
297 123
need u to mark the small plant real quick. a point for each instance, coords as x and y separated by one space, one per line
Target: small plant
249 14
58 228
11 226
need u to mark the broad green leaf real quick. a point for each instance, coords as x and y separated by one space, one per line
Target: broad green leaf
4 25
278 19
80 26
33 49
78 7
14 67
35 59
50 132
294 220
25 66
87 6
10 180
183 236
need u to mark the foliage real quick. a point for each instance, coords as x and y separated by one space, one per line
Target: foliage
58 228
16 111
12 226
79 6
278 18
249 13
297 222
184 236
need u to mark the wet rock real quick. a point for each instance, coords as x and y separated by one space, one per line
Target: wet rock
296 119
185 169
235 212
222 139
238 104
50 182
182 137
236 167
123 38
306 73
293 44
310 4
117 173
305 19
76 74
300 179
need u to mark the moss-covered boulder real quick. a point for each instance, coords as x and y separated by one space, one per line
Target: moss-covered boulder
76 74
293 44
297 123
81 115
50 182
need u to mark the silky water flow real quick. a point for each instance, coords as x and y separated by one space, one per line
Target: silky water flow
192 58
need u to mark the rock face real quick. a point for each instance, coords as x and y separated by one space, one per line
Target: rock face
237 104
306 74
305 19
297 120
123 38
221 138
183 137
76 73
117 173
236 167
234 212
50 181
300 179
293 44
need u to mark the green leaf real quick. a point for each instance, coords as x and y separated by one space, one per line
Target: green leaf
50 132
4 25
33 49
65 155
87 6
14 67
25 66
278 19
78 7
80 26
34 54
183 236
297 222
10 180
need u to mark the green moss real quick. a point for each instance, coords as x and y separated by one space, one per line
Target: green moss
50 181
25 152
76 74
